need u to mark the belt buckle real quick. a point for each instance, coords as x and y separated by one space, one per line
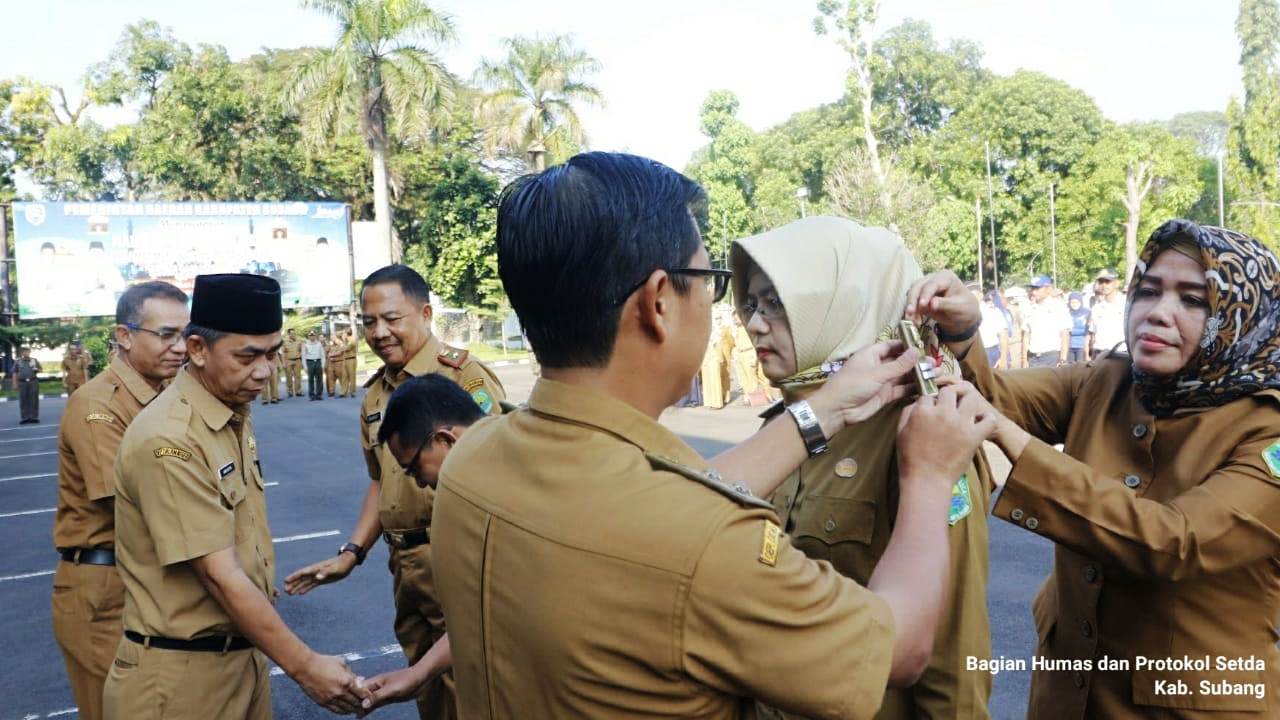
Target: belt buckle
395 540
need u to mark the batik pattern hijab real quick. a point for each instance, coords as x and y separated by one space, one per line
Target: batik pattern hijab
843 286
1239 351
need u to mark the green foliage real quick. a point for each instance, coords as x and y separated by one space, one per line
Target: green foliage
1253 137
145 54
531 107
723 168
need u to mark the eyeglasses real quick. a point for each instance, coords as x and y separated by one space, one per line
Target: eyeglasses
168 337
716 282
768 307
410 468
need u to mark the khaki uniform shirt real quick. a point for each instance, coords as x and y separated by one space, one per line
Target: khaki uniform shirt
92 425
75 369
840 507
292 349
188 484
1168 541
403 505
333 351
349 349
589 566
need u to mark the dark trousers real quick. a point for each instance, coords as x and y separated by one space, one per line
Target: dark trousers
29 399
315 378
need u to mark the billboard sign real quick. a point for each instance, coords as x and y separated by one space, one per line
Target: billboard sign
76 258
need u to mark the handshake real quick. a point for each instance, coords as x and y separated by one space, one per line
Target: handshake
328 681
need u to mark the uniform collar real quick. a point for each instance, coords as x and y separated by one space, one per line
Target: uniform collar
584 406
422 363
212 410
138 387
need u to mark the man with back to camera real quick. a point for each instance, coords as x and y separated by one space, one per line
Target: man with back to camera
591 564
88 596
192 539
396 315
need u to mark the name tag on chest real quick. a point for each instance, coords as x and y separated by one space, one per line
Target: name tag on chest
226 470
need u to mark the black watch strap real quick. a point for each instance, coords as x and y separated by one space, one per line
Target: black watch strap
964 335
354 549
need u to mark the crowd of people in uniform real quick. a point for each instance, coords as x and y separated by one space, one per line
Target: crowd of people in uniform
571 557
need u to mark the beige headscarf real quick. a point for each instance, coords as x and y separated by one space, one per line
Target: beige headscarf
844 286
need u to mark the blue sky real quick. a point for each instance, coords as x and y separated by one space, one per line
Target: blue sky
1139 59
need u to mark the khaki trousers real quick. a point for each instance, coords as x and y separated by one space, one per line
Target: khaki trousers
293 376
87 603
271 393
419 624
331 374
349 377
154 684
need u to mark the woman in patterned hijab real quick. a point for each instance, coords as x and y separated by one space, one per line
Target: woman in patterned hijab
1164 502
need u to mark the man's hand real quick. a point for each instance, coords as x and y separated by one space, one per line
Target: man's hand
303 581
938 436
941 297
872 378
392 687
328 681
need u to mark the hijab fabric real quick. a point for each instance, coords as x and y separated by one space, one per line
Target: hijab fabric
1239 352
844 286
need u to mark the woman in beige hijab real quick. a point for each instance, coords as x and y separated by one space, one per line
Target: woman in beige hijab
815 291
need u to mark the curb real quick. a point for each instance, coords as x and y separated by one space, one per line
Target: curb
42 397
506 363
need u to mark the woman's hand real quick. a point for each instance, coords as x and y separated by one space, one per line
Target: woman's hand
874 377
941 297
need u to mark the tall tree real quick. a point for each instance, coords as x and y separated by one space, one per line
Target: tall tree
145 54
1253 140
724 169
530 109
381 77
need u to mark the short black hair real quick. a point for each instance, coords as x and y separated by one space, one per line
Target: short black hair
412 284
129 306
424 404
573 239
211 336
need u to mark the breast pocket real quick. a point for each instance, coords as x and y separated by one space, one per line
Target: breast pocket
840 530
232 488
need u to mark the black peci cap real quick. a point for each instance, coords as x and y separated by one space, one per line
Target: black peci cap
237 303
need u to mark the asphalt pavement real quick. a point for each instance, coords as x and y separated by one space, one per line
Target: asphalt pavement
316 477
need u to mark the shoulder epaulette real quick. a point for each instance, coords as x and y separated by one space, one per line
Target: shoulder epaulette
453 357
376 376
773 411
709 478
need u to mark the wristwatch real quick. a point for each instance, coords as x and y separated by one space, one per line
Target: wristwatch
354 549
810 431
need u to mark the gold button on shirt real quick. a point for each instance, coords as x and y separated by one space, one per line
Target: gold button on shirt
1166 540
591 567
188 484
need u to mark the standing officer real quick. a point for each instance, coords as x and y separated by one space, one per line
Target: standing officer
192 538
75 367
333 364
87 594
293 363
26 380
271 391
349 346
313 354
396 313
591 564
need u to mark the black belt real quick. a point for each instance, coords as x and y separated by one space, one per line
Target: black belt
216 643
89 556
403 540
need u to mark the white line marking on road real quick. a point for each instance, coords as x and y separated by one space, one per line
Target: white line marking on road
270 484
24 427
27 512
10 457
306 536
24 576
29 439
55 713
351 657
28 477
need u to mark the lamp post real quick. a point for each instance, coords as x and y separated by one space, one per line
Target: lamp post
802 194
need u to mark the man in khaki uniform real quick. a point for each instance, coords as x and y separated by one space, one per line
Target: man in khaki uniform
192 537
87 594
292 350
75 368
271 391
333 365
349 347
396 311
591 564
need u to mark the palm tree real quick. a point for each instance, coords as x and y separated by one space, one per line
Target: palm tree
530 107
381 74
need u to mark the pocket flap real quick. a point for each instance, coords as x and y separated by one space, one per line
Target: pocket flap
836 520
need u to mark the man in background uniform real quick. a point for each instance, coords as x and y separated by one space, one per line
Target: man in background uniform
26 380
396 314
333 364
75 367
87 593
349 347
271 391
293 363
192 539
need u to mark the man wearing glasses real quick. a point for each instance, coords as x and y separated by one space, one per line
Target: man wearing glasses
88 595
591 564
